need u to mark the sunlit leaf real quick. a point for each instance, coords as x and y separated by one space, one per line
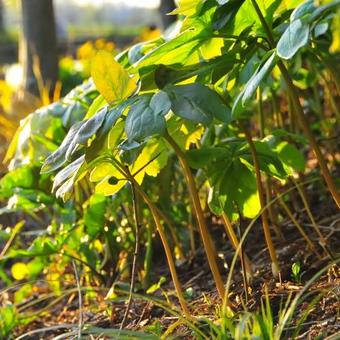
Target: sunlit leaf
103 170
111 80
105 188
188 7
154 151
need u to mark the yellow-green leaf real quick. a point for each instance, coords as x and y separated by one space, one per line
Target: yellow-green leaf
155 148
188 7
105 188
110 78
97 104
102 171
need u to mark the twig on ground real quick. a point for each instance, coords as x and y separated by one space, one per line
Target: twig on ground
80 323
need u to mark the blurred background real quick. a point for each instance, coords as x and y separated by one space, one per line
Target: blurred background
46 47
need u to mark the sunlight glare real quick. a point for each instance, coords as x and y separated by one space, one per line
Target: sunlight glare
132 3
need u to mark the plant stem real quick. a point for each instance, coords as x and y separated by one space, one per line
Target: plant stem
307 131
332 71
299 111
157 219
206 238
80 299
323 241
264 215
235 242
279 121
148 259
267 179
191 233
291 115
332 100
271 210
297 224
138 225
260 111
167 248
171 227
264 24
14 233
243 265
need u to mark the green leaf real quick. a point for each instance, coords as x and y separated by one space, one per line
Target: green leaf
8 320
198 103
160 103
146 116
269 161
291 156
112 117
156 286
309 11
184 132
22 177
102 141
57 159
65 179
306 8
96 105
242 100
237 18
257 78
94 216
177 50
199 158
294 38
102 173
79 134
226 12
239 185
215 68
86 131
131 150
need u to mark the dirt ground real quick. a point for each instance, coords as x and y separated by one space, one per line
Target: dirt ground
322 321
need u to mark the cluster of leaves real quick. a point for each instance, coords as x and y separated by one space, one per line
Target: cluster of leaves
189 80
196 86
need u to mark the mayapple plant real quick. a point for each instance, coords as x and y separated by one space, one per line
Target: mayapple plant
192 93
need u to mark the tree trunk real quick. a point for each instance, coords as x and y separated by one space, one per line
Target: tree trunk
38 46
2 23
166 7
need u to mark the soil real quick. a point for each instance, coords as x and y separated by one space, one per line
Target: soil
322 321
